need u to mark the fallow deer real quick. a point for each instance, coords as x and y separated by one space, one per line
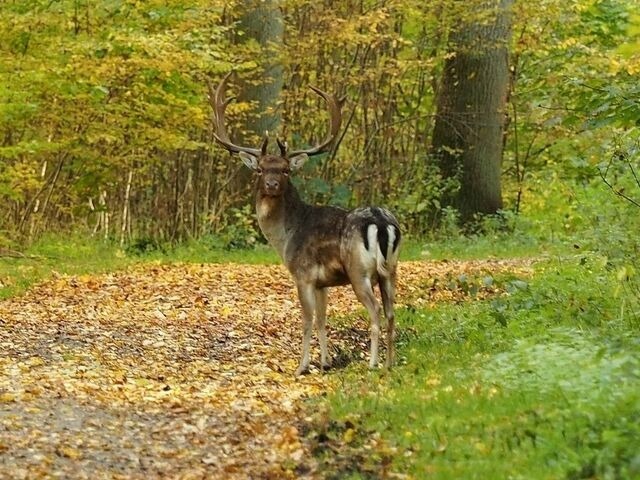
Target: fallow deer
321 246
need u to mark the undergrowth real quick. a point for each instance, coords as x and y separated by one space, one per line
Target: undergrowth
543 382
77 255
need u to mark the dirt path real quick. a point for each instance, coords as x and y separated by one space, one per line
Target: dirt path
181 371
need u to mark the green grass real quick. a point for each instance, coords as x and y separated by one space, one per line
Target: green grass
542 383
201 252
473 247
72 255
77 255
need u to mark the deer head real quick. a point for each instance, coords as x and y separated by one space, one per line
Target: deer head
273 170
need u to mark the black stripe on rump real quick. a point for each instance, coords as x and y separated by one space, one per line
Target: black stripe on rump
379 220
396 240
383 239
365 237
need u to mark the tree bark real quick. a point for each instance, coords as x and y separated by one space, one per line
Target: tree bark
469 128
126 208
259 22
262 22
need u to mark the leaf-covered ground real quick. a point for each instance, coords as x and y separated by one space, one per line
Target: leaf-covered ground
179 371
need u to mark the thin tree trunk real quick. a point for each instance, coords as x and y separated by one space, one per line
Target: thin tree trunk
47 199
34 203
176 198
125 208
104 214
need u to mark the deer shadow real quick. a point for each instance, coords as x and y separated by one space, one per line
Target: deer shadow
349 342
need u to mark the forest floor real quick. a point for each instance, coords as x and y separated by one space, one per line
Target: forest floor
181 371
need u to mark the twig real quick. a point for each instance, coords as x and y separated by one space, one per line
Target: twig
5 252
603 176
8 253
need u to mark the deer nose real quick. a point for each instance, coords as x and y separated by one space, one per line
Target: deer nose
272 184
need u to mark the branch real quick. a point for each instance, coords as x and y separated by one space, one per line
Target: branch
8 253
5 252
603 176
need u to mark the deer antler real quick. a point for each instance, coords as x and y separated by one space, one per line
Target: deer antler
282 145
335 119
219 105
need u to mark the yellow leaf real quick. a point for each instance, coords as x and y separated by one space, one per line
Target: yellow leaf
7 397
69 452
625 273
348 435
35 362
433 381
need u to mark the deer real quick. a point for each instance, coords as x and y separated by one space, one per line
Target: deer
321 246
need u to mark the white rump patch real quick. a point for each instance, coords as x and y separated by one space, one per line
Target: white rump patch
374 257
391 231
372 238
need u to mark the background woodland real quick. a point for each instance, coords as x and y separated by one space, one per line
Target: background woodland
105 123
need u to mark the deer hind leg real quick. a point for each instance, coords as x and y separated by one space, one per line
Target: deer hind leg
307 297
364 291
321 322
387 291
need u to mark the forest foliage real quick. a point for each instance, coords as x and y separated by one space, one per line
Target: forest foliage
105 123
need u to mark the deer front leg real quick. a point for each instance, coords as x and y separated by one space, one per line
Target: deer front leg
307 297
321 326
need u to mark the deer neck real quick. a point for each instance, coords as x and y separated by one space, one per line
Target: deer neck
277 216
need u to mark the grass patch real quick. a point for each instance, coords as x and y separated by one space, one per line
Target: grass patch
541 383
203 252
77 255
476 246
74 256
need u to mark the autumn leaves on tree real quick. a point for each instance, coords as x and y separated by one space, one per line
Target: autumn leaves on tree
105 125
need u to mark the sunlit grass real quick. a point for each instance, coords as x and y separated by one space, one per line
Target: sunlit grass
542 383
76 255
58 254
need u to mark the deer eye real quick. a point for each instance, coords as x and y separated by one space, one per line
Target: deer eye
285 173
259 171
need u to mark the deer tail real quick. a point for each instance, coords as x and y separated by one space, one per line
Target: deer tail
383 241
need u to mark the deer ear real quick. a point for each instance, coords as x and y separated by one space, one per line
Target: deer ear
296 162
249 160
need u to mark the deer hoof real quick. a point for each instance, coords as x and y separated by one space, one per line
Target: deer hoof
326 366
302 370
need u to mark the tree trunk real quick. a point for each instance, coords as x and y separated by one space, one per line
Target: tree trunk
126 208
469 127
262 22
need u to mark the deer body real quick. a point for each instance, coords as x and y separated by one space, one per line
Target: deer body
321 246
